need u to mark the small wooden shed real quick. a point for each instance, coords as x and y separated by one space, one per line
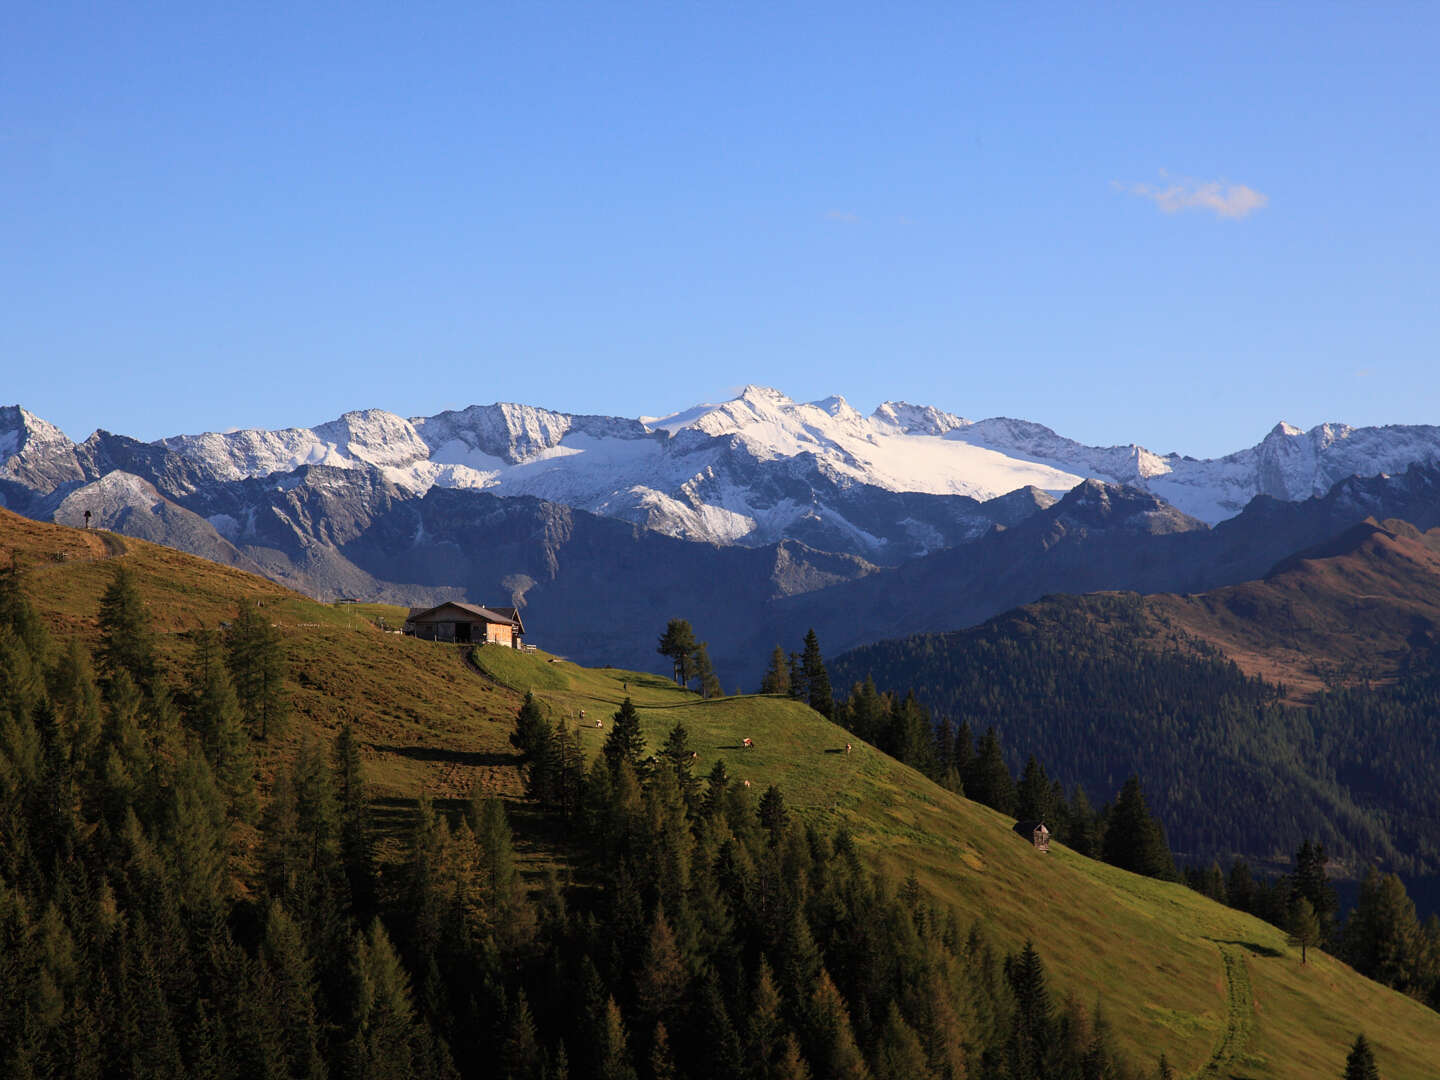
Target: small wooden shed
467 624
1036 833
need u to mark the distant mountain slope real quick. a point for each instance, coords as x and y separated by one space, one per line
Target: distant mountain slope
1166 686
1097 537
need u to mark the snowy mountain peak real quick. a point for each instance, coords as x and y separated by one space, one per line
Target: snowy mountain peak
918 419
375 437
35 452
1284 430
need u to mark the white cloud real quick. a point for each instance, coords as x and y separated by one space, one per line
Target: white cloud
1220 197
845 217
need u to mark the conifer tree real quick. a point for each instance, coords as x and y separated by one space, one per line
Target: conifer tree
127 641
679 645
624 741
256 657
1303 927
799 685
354 808
777 675
1360 1063
521 1057
1032 1033
1382 935
900 1055
661 982
380 1042
705 672
790 1065
293 981
765 1026
988 779
218 719
1311 881
681 759
832 1039
662 1060
613 1051
1033 794
1133 839
773 815
817 679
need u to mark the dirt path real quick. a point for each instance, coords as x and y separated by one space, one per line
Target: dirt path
1239 1016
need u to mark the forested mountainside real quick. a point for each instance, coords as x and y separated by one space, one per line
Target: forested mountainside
212 870
1106 685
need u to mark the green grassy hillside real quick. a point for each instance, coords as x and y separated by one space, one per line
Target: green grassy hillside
1218 991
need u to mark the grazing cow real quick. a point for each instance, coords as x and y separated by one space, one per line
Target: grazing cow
748 744
848 748
745 782
599 722
694 755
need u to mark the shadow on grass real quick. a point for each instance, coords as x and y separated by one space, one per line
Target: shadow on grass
1251 946
453 757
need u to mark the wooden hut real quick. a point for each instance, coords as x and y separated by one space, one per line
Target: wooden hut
466 624
1036 833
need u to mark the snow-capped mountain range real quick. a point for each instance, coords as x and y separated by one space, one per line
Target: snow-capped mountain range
750 471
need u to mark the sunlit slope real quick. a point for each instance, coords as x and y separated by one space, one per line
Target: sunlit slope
1218 991
425 718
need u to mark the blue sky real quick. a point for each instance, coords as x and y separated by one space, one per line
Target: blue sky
1172 225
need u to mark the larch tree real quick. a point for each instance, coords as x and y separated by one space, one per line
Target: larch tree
777 675
679 644
255 653
1302 928
127 641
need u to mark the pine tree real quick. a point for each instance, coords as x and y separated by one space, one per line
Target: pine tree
1382 936
777 675
256 657
383 1016
1311 881
531 730
127 641
678 643
987 780
354 806
773 815
1033 794
218 719
681 759
624 741
1360 1063
1032 1033
291 975
833 1047
1133 839
817 679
